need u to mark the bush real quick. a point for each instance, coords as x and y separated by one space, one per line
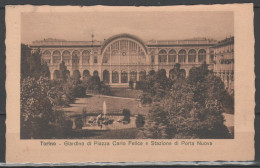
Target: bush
190 108
141 85
146 98
126 113
79 123
140 121
67 127
131 84
156 125
104 89
79 91
36 108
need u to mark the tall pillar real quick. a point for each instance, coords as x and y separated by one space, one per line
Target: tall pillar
197 57
110 77
156 62
80 59
61 56
51 60
207 56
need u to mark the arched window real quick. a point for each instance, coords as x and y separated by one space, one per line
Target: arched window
95 73
192 56
106 56
115 77
56 75
172 56
133 76
95 58
162 55
152 59
85 57
46 57
75 57
182 56
124 52
56 57
162 72
202 55
106 76
142 75
124 77
66 57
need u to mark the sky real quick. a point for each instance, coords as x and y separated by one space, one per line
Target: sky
145 25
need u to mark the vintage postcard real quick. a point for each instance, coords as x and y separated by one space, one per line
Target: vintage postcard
130 84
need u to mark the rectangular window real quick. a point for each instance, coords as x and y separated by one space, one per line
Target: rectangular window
95 60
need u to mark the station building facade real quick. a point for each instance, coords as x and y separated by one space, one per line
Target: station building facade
125 57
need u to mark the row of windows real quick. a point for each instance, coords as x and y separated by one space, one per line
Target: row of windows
67 53
161 59
225 76
67 60
225 49
172 55
124 76
182 52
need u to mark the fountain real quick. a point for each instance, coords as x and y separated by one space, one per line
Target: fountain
104 109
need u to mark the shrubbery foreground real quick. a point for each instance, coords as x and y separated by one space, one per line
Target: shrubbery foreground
184 108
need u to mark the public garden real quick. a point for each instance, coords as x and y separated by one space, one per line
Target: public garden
158 107
115 106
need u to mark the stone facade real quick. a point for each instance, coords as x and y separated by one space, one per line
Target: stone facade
125 57
224 62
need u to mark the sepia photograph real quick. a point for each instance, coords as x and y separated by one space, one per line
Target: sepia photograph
131 75
103 84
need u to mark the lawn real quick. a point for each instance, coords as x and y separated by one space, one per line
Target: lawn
126 92
94 105
130 133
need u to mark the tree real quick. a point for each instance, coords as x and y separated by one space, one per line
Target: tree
38 112
192 108
63 71
140 121
156 86
25 54
177 72
94 83
36 108
31 64
156 124
126 113
45 72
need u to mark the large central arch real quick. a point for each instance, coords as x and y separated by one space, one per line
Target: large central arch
124 49
120 36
